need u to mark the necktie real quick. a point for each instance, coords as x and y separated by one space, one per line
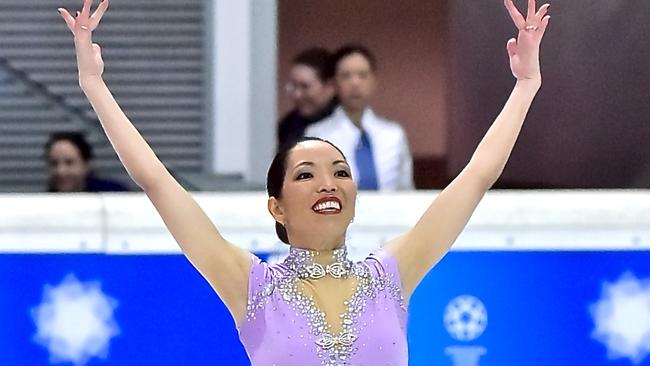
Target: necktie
365 163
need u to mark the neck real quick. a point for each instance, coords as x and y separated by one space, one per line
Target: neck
354 115
324 257
329 256
315 242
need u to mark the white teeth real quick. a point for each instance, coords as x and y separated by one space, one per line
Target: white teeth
327 205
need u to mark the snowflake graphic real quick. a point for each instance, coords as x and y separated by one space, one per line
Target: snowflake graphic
75 321
622 318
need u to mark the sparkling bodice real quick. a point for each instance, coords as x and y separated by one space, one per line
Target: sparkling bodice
285 326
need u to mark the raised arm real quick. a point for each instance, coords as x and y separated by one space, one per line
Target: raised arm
223 264
428 241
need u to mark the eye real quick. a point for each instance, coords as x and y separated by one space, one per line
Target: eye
342 173
303 176
344 75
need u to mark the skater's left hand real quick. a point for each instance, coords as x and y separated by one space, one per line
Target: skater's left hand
524 50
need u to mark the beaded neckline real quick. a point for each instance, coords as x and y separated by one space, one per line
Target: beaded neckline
301 261
333 349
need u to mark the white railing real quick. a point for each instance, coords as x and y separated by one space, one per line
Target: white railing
505 220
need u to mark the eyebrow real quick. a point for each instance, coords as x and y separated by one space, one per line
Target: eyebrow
310 163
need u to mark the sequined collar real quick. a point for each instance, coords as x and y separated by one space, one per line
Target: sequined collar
302 262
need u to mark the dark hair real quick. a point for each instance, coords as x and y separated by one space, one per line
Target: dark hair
75 138
277 171
317 58
351 49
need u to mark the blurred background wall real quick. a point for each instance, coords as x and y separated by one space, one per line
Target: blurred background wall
590 123
203 82
410 43
444 75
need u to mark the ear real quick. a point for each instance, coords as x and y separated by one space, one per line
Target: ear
276 210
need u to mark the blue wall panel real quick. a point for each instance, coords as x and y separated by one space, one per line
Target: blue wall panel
537 303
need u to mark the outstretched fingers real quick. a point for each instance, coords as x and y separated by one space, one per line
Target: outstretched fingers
542 11
516 16
535 19
98 14
69 19
544 24
89 56
84 20
531 9
85 11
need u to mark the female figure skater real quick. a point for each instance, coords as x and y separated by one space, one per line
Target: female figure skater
317 307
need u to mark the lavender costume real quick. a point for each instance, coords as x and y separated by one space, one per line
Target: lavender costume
285 327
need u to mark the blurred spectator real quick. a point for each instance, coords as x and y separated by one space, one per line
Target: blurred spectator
376 148
311 91
69 159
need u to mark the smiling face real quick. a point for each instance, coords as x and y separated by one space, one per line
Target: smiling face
318 196
68 169
308 92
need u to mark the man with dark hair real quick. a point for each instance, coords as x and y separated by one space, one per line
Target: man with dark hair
377 149
311 90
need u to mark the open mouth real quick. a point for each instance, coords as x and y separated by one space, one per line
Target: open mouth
327 206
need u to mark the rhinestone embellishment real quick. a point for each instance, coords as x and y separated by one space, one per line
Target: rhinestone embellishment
302 262
328 341
316 271
332 349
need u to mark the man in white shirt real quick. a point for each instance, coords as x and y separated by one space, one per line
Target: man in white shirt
377 149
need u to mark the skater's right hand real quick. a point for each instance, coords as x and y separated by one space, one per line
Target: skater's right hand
89 56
